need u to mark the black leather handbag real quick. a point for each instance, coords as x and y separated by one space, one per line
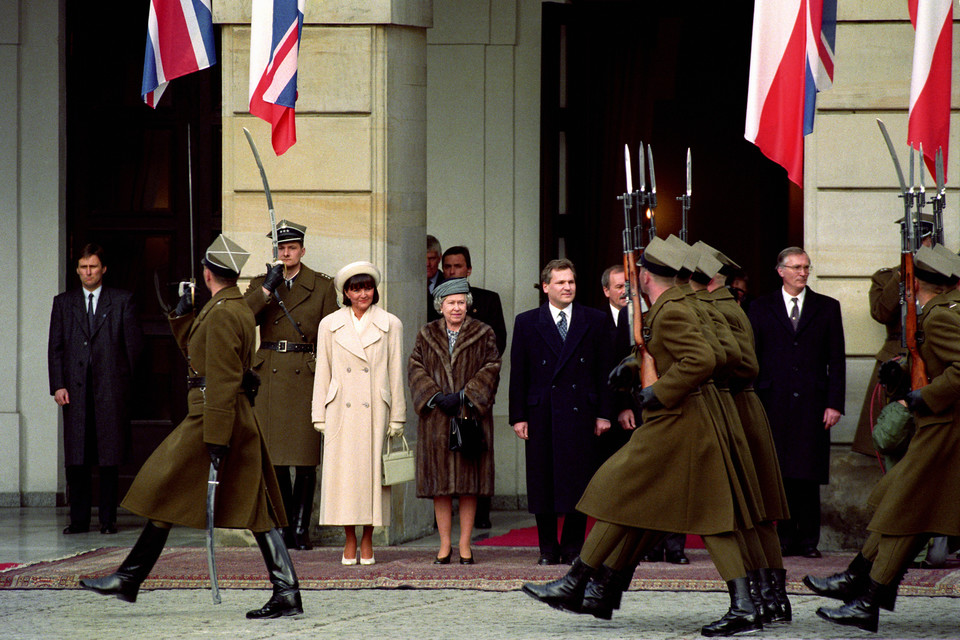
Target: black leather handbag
466 433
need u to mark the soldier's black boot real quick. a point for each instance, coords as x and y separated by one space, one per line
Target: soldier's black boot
753 582
742 616
565 593
125 582
285 600
845 585
863 612
303 495
773 591
887 597
602 591
622 583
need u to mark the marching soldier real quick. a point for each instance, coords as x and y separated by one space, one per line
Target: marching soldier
220 430
285 361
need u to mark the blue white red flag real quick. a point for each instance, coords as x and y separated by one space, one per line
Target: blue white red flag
179 41
791 59
275 28
929 122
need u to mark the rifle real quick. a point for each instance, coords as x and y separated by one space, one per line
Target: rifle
909 243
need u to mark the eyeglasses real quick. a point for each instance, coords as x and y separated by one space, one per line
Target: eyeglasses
799 267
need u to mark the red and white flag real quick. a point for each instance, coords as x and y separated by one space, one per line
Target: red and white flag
929 123
275 28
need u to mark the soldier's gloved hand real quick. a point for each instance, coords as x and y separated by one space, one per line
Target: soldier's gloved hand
217 453
395 430
624 376
185 304
449 403
647 399
891 374
916 403
318 426
274 277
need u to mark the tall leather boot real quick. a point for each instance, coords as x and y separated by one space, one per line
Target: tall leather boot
742 615
602 590
753 583
565 593
125 582
845 585
773 590
622 584
285 600
863 612
303 495
289 505
887 597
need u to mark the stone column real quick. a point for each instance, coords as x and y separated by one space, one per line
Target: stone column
357 175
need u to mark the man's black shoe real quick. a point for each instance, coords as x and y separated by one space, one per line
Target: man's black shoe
677 558
71 529
548 559
811 552
108 528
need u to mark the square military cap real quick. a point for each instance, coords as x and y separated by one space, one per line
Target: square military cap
926 224
289 232
661 258
935 267
225 257
729 266
950 257
707 266
690 257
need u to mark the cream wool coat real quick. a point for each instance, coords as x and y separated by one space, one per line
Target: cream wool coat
357 391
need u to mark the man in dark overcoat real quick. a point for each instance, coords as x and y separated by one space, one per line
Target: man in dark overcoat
802 381
560 404
220 432
93 347
285 361
434 274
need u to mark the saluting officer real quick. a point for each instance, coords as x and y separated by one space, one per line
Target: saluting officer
285 361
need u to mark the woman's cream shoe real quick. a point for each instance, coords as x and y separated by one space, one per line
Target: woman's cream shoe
348 561
367 561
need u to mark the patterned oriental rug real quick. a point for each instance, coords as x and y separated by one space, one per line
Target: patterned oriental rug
527 537
497 569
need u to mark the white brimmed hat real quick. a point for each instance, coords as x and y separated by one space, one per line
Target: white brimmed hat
355 269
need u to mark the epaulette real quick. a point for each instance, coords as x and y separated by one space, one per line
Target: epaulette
323 275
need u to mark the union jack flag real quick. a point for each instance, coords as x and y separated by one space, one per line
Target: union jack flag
179 41
275 28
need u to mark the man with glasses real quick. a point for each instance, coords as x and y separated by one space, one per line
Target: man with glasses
800 348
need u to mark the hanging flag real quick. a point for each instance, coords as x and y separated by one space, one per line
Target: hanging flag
179 41
929 122
791 59
275 28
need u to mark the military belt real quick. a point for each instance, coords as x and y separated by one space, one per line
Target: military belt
196 382
283 346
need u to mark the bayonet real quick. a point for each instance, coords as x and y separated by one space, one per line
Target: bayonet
653 195
685 199
939 200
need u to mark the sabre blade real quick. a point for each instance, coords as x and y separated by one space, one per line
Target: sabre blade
893 156
211 559
266 192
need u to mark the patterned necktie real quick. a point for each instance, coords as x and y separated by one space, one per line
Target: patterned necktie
562 325
90 315
795 314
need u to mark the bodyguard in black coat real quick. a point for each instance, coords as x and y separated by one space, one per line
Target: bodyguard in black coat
559 404
90 366
801 383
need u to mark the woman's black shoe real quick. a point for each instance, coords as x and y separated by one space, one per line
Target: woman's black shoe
468 560
444 560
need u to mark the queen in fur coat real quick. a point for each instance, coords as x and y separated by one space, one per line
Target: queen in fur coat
454 362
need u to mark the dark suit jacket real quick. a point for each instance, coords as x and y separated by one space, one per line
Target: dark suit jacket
111 350
488 310
560 389
802 373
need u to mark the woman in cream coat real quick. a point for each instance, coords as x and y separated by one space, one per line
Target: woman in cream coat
357 399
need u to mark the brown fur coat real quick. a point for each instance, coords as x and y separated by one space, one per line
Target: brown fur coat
474 367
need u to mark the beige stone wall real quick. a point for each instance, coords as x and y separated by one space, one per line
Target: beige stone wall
850 186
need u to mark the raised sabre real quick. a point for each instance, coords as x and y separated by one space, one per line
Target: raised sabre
212 483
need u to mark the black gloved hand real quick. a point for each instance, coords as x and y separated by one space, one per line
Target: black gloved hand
217 453
891 374
916 404
274 277
449 403
185 304
647 399
624 376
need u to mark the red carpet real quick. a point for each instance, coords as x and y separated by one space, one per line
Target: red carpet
497 569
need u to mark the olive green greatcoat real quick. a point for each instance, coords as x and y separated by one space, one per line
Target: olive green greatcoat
474 367
675 474
172 484
283 404
921 494
885 309
753 417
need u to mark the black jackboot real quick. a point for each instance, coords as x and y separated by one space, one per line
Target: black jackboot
845 585
565 593
285 600
773 591
742 615
753 583
125 583
602 592
303 497
862 612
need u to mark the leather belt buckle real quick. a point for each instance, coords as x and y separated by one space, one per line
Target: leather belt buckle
282 346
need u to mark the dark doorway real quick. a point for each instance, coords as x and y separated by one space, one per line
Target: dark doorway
127 190
671 76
